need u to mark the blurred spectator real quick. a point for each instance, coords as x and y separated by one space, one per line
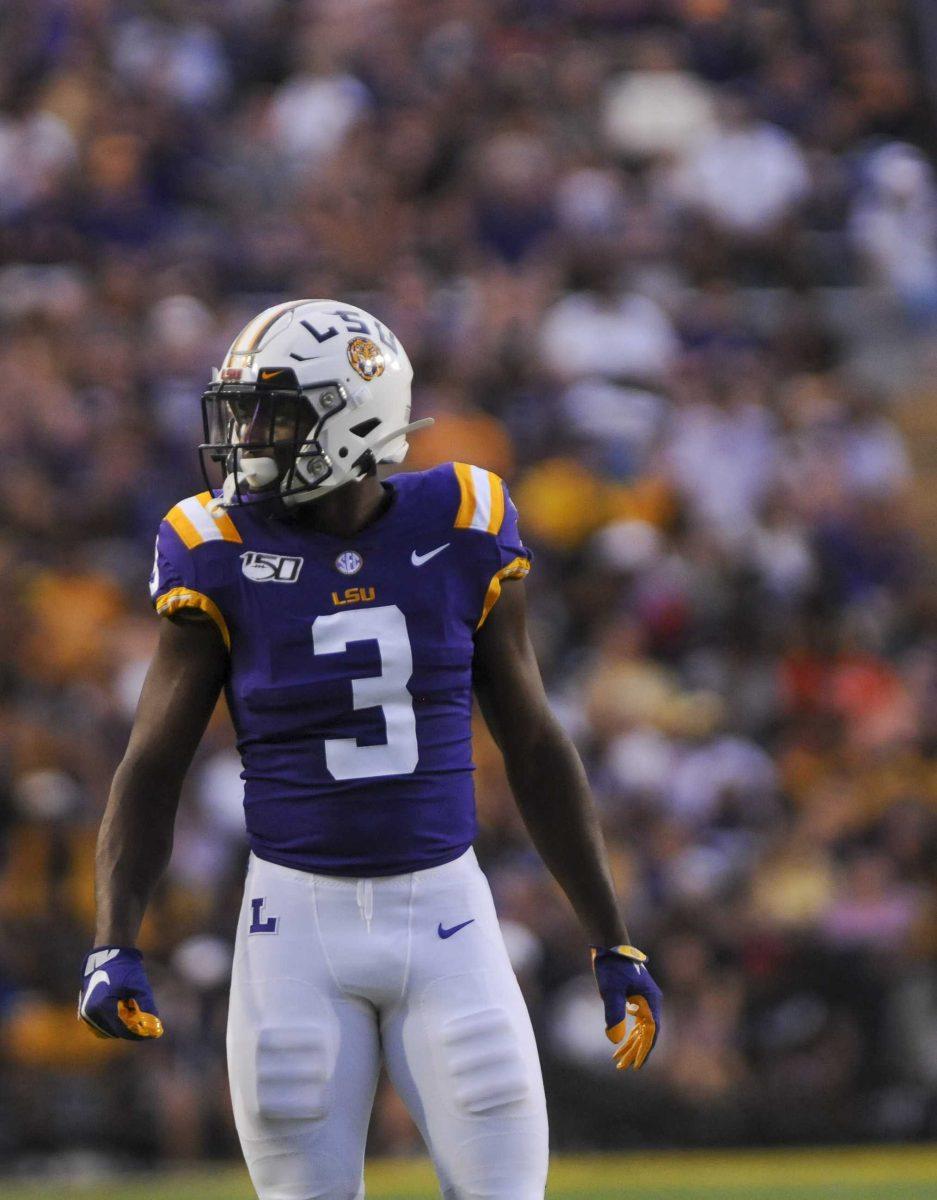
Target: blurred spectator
894 226
602 329
746 177
658 107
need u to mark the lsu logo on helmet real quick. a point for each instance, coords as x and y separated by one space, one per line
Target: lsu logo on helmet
366 357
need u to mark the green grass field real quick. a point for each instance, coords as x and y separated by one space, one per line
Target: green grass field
900 1173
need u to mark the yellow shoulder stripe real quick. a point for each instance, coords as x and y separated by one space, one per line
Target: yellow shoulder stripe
463 473
183 526
195 524
481 499
496 519
517 568
181 597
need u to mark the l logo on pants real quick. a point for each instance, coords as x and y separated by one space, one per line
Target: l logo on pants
258 924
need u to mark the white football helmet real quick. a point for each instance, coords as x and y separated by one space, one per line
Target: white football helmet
311 394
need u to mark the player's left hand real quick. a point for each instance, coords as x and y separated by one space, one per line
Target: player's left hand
116 1000
626 985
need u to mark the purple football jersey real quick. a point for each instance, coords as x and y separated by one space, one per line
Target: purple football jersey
350 678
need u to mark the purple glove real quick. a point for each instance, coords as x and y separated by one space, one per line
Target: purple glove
626 985
116 999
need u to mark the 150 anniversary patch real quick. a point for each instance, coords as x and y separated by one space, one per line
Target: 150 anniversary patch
270 568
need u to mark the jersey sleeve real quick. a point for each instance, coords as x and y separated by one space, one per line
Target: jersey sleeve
176 583
486 506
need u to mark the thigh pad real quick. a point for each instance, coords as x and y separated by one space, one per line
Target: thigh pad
291 1065
478 1046
292 1048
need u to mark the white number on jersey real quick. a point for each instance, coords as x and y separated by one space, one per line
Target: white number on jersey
386 625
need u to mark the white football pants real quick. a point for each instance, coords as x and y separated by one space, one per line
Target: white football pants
332 974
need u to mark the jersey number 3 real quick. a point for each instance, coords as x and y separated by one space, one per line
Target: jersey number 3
387 626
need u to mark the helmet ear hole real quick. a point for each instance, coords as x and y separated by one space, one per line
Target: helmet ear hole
343 453
365 427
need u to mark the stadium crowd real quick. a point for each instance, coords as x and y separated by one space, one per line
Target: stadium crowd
657 263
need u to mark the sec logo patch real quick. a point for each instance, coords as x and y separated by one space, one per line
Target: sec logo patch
349 562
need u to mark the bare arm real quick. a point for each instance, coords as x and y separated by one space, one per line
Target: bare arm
544 769
135 839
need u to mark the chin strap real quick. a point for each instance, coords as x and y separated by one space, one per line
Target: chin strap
218 504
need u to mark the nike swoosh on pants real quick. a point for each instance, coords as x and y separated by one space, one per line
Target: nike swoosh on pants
447 933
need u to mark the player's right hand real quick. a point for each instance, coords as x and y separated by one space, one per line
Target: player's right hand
116 1000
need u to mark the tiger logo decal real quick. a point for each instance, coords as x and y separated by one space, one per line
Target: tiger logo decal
366 357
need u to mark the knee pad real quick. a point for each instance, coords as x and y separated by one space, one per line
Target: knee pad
286 1170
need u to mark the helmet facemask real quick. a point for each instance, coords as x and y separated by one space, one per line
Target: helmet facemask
266 439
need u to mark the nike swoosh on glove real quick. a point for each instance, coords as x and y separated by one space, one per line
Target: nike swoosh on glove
116 1000
625 984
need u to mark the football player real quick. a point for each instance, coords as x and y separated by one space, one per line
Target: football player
349 622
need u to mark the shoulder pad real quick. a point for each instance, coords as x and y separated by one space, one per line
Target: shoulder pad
481 503
195 525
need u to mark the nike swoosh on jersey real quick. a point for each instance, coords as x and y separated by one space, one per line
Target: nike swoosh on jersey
270 374
419 559
447 933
